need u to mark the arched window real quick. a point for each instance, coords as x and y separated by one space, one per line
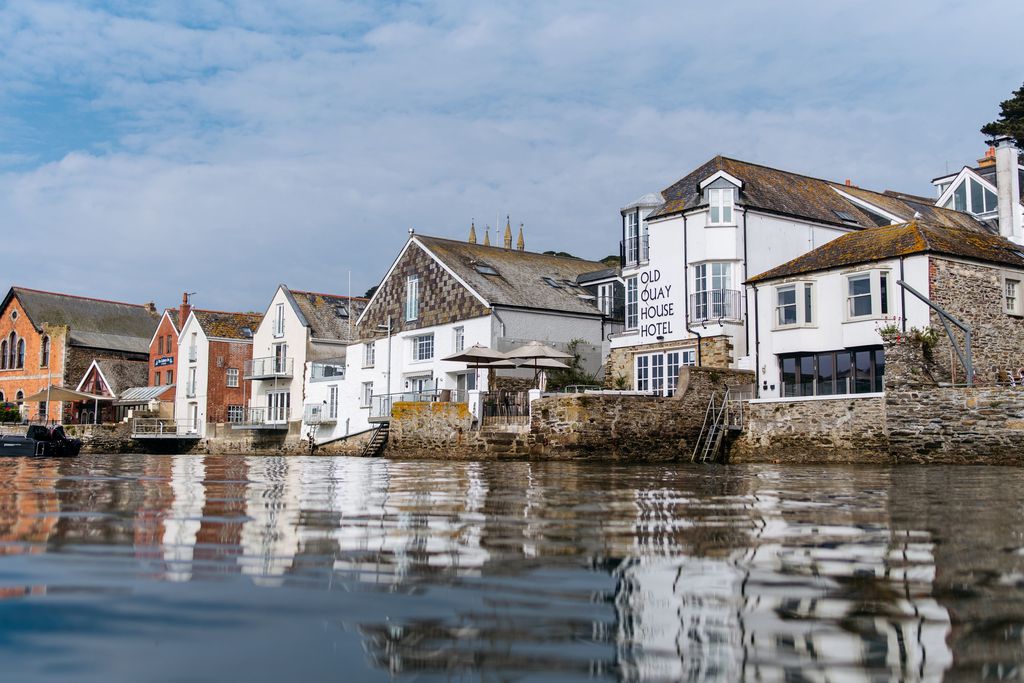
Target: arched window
19 397
2 397
12 347
3 354
21 353
44 353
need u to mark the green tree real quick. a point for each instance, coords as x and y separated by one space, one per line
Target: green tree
1011 119
575 374
370 292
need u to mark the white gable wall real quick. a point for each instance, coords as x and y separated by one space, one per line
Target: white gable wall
183 404
265 339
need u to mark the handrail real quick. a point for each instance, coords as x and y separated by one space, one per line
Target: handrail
965 355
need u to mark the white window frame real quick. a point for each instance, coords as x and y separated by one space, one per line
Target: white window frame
365 394
721 201
419 343
412 298
231 378
278 406
632 238
1012 304
459 339
653 372
632 303
804 305
605 298
369 354
279 321
705 281
236 412
879 309
332 401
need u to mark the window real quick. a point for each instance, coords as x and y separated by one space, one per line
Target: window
858 295
632 304
485 269
193 347
3 355
160 345
551 282
1012 294
423 347
972 197
3 398
883 292
794 304
235 413
369 354
190 387
712 297
460 339
720 201
19 397
43 405
12 343
170 377
855 371
156 379
332 401
605 298
21 353
170 347
279 321
632 245
659 372
366 394
232 377
278 405
44 352
412 297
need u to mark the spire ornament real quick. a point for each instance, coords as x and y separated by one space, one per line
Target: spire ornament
472 233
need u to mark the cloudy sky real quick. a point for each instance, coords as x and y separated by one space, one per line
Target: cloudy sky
152 148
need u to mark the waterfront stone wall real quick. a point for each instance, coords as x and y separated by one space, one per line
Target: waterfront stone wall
716 352
845 430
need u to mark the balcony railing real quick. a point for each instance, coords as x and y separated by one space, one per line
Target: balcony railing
325 372
380 404
319 413
716 304
634 250
270 367
163 428
262 418
505 407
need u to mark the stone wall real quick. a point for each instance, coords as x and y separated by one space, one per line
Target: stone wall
813 431
716 352
974 294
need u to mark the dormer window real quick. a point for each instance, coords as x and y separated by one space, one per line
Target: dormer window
972 197
720 201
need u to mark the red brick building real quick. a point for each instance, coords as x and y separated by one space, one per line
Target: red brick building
163 350
50 338
213 349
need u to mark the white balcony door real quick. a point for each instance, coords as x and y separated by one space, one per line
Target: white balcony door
193 418
280 354
278 404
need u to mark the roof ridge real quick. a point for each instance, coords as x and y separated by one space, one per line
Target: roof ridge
796 173
210 310
503 249
333 296
77 296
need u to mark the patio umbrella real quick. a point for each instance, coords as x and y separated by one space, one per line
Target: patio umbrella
477 356
539 356
53 393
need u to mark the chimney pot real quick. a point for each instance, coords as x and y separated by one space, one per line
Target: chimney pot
848 183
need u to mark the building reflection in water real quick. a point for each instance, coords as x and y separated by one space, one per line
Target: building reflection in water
181 525
29 512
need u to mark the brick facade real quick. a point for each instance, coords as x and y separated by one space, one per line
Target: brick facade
33 375
163 346
716 352
442 299
974 294
225 355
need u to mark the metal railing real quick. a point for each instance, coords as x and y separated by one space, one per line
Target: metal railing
269 367
381 404
319 413
160 427
634 250
716 304
504 407
324 372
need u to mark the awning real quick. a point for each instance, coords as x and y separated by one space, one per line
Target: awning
62 394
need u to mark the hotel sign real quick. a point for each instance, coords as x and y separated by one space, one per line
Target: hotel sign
655 307
166 360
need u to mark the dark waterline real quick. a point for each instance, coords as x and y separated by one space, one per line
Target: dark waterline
219 568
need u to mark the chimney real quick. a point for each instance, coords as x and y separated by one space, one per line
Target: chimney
848 183
508 233
185 309
1011 216
472 233
521 243
989 159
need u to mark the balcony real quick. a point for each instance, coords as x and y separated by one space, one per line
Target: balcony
326 372
261 418
634 251
163 428
716 305
270 367
380 404
319 413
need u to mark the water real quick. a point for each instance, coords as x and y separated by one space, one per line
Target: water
131 568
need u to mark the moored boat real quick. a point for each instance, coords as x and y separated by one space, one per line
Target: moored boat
40 441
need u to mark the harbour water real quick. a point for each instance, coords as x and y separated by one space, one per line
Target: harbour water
215 568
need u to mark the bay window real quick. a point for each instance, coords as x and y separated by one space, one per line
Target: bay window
712 297
848 371
867 294
794 305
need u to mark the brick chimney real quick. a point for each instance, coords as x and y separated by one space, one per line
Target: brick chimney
989 159
1011 216
185 309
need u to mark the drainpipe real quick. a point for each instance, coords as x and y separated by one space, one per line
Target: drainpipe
686 295
757 346
746 304
903 298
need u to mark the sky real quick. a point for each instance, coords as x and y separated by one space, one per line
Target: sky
221 148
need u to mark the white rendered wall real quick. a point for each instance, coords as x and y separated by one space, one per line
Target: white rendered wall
182 403
295 335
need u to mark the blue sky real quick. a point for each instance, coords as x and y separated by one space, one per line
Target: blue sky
222 148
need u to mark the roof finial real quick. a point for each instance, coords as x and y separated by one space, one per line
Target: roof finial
487 235
521 243
412 232
472 232
508 233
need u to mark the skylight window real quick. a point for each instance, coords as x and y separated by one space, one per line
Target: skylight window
846 217
485 269
247 332
552 282
1016 252
342 311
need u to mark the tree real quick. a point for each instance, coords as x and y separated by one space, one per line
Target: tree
1011 119
575 375
370 292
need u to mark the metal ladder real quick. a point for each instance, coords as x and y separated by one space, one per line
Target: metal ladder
377 442
712 431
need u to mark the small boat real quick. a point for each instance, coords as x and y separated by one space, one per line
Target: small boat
42 442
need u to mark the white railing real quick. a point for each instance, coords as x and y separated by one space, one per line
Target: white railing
269 367
319 413
716 304
380 404
156 427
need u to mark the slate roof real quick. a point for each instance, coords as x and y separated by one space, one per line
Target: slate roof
328 315
520 275
93 323
122 375
228 325
173 314
137 395
594 276
793 194
903 239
